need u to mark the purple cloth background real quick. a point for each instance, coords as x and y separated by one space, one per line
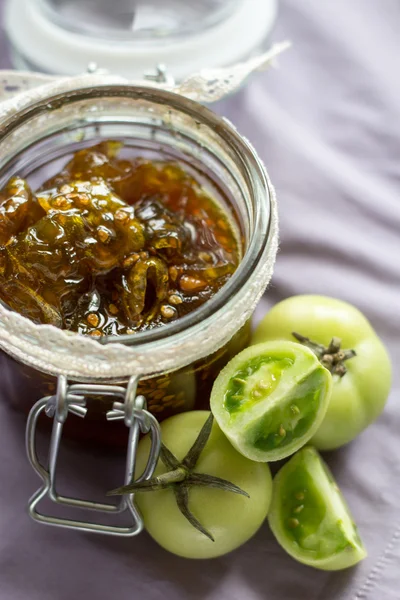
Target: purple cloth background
327 125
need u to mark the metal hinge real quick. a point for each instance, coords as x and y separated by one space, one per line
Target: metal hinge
159 74
72 399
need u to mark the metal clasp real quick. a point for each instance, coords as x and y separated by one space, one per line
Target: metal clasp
72 399
160 75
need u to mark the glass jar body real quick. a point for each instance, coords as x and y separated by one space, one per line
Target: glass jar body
177 364
166 394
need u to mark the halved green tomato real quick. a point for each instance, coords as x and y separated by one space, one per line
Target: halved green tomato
309 516
270 399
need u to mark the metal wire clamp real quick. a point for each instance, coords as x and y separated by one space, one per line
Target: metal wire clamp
72 399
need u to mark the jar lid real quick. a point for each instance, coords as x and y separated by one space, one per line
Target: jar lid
46 38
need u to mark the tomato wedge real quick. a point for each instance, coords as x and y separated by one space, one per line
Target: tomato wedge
309 516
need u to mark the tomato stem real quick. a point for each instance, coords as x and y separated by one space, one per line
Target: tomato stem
332 357
181 477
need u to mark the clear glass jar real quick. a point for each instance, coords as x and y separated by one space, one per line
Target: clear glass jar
147 20
132 37
177 364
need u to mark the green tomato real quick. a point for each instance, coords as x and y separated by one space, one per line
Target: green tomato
232 519
361 384
270 399
309 516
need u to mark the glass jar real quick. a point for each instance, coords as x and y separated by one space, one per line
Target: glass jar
138 19
131 37
177 364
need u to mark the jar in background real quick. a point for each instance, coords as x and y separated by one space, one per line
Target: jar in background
145 20
131 37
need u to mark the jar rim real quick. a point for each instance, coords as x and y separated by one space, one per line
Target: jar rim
260 188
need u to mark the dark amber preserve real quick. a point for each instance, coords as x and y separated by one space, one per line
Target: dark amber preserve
109 247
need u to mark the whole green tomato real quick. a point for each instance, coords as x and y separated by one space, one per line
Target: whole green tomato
229 518
348 346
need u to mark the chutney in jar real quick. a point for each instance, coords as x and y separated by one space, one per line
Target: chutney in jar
112 246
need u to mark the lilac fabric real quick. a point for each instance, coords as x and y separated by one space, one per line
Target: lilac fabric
327 126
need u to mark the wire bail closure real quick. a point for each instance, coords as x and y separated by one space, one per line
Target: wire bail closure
72 399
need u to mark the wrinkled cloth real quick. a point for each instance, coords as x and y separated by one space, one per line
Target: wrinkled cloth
327 125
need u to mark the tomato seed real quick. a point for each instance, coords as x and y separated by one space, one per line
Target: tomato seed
264 385
113 309
128 262
167 311
188 283
93 319
293 523
103 234
121 215
175 299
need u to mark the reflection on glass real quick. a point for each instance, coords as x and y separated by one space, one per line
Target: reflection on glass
139 19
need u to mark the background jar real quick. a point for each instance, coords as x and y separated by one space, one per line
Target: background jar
130 37
176 364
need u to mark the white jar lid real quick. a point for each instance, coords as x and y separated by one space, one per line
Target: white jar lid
46 46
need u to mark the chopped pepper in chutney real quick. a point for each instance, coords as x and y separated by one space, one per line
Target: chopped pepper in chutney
112 246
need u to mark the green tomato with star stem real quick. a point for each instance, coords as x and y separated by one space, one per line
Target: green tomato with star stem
309 516
206 498
348 346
